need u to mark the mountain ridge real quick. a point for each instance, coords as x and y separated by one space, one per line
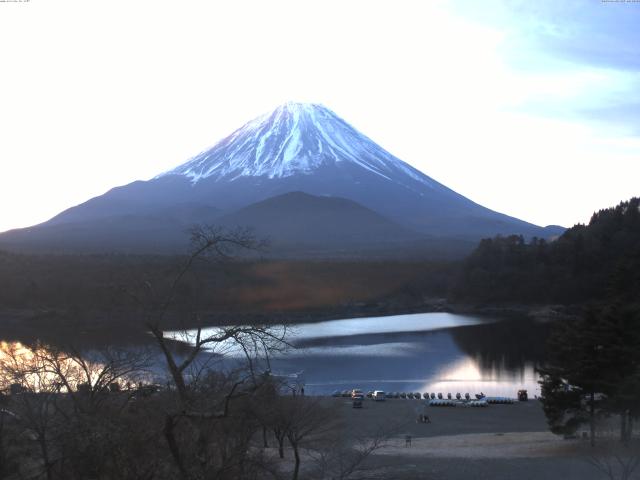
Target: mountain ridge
295 148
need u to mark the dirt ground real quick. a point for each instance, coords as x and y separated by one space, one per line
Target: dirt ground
497 442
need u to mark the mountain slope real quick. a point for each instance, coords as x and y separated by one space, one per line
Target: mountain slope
144 231
300 218
296 148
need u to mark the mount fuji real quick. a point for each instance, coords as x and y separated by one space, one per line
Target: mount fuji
300 166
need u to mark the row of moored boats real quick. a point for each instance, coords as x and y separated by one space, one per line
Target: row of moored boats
438 399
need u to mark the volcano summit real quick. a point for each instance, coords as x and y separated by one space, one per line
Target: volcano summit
298 148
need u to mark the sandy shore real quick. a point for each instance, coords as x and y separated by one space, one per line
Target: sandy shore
482 445
402 414
496 442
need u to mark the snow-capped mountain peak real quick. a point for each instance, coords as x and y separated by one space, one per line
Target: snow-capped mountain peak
295 138
298 173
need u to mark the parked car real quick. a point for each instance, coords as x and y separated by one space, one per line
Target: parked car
357 393
379 395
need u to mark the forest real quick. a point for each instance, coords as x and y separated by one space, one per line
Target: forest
598 262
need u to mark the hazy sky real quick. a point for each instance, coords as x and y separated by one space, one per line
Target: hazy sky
530 108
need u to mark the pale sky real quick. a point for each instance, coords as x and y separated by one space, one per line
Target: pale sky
531 108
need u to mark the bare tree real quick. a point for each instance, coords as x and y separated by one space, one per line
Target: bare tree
81 425
203 408
617 461
308 420
87 377
57 395
9 431
37 401
343 455
252 341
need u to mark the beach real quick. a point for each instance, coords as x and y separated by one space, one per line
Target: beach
494 442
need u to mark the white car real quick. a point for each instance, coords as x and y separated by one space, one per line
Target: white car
357 393
379 395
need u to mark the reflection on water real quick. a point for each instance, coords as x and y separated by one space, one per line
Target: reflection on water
466 376
41 368
417 322
433 352
427 353
348 336
24 366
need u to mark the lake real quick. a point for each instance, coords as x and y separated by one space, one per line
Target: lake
425 352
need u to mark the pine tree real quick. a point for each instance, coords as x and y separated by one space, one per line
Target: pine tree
622 325
593 369
575 379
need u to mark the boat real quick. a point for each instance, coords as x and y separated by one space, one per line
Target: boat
499 400
442 403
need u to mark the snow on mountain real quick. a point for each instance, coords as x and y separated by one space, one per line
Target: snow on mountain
296 138
299 147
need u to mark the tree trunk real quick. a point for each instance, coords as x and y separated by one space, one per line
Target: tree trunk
281 446
175 371
45 457
264 437
623 427
629 426
169 425
592 419
296 455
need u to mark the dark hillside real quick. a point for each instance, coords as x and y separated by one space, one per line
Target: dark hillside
587 263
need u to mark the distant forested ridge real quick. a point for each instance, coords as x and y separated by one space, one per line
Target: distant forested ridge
588 263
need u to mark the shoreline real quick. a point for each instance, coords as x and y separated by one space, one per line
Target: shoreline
91 326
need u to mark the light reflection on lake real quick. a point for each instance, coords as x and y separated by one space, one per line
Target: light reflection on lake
429 352
465 376
416 322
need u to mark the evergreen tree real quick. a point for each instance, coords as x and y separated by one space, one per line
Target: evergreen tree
599 261
574 379
622 324
592 370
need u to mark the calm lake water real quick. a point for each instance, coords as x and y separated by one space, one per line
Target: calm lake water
427 352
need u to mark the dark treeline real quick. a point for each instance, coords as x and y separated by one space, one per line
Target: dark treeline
91 292
588 263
